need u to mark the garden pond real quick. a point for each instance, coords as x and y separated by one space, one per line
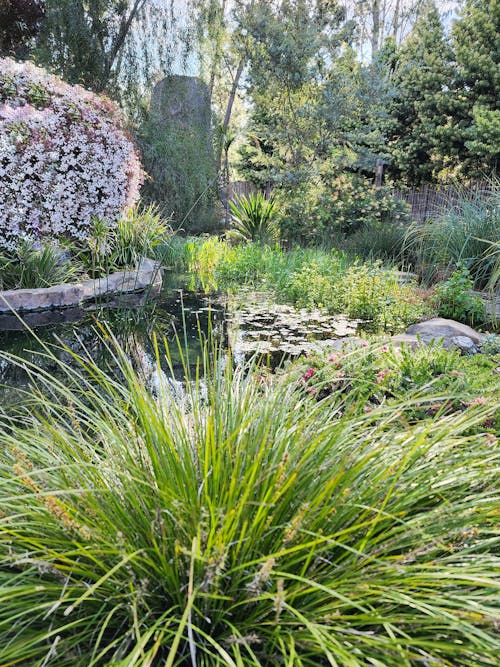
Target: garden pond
248 322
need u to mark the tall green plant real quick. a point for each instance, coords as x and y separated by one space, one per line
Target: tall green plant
30 267
244 527
254 218
465 233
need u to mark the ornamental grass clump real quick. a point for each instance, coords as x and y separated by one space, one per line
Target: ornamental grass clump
65 157
248 525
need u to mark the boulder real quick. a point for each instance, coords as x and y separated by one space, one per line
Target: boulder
464 344
407 340
440 327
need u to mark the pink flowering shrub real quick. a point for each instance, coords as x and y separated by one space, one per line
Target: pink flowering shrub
65 157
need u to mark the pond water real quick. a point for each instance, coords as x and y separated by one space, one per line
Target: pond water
247 322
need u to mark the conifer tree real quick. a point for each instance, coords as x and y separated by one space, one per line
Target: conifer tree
419 111
476 112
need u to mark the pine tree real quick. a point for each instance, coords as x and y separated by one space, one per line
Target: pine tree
419 110
476 112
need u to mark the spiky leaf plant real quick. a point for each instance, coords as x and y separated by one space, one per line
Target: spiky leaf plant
462 234
246 525
254 218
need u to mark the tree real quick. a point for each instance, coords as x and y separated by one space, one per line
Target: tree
20 22
106 45
418 140
376 20
313 101
474 129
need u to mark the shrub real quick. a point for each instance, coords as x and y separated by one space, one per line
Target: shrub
467 233
254 218
244 527
455 299
430 379
65 157
325 207
31 267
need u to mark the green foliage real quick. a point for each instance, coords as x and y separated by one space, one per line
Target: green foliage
475 110
327 206
311 278
19 24
140 233
31 267
137 235
116 46
431 378
484 134
252 527
254 218
467 233
377 240
455 299
418 111
372 293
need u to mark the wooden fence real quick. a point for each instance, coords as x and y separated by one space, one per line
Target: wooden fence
428 201
240 188
425 202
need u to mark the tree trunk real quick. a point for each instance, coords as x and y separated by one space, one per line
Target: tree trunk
375 38
229 109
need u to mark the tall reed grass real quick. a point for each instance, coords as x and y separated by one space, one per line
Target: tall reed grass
467 234
247 525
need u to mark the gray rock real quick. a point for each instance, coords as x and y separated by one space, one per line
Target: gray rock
464 344
407 340
443 328
147 277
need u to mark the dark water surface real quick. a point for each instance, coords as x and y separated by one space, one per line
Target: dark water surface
179 317
248 322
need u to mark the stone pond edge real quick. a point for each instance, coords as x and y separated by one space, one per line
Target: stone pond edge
147 276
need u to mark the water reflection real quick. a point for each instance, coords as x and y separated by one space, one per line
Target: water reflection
181 318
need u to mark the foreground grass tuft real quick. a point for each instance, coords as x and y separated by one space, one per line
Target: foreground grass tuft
247 525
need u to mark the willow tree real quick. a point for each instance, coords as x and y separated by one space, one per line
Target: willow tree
107 45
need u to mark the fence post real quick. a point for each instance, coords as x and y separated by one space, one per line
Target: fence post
379 171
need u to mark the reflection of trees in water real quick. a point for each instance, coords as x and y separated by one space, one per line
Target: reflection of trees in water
181 320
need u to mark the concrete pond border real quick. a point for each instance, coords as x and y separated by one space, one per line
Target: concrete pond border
146 277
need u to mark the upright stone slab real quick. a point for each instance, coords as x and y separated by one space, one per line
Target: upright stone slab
183 101
178 152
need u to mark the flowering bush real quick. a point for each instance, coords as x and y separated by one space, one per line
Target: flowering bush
328 206
358 380
65 157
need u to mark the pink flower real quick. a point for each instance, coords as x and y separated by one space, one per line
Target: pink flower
364 343
308 374
480 400
71 160
381 375
367 409
384 348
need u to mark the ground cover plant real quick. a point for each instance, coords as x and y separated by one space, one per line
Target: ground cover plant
309 278
248 525
362 378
